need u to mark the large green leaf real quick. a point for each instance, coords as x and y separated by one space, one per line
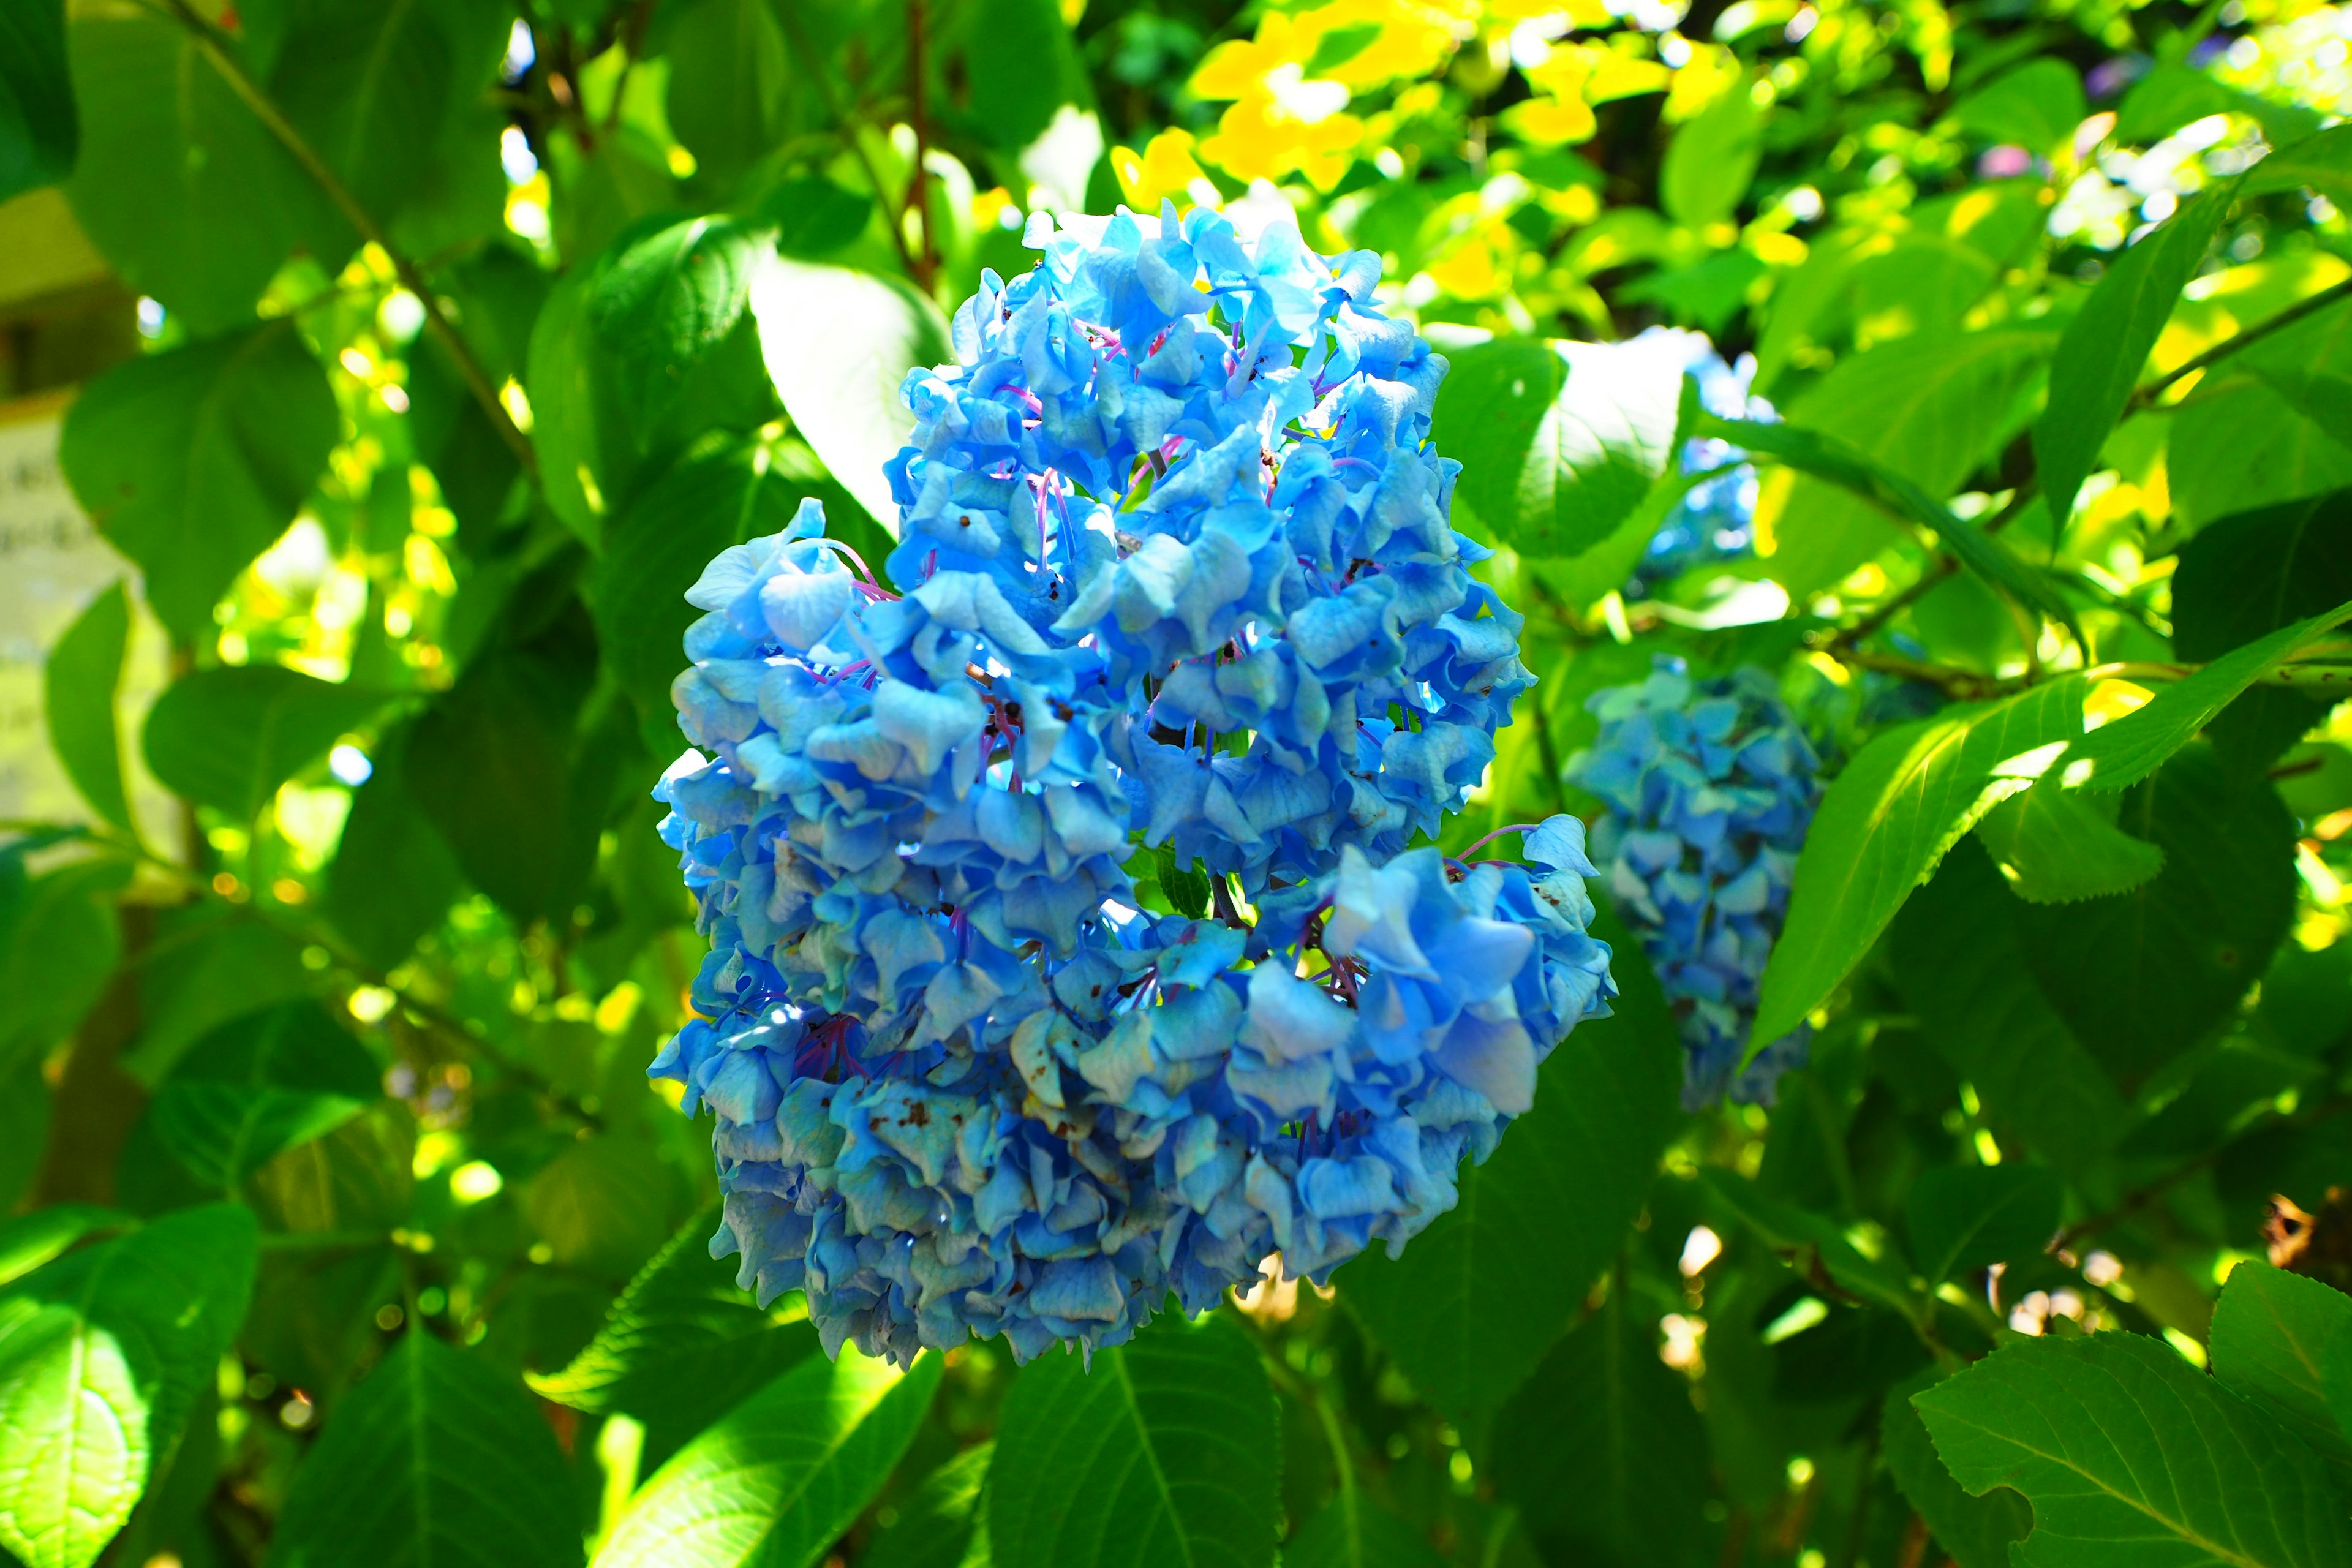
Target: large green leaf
2124 1448
177 182
666 302
731 79
1023 67
393 878
1479 1296
2142 975
1603 1450
194 461
258 1085
2273 1335
208 964
680 1345
1929 409
2036 106
1965 1216
56 953
603 1204
589 455
80 680
2248 574
2107 344
776 1481
227 738
945 1523
1974 1530
1886 822
102 1354
436 1460
2239 440
1353 1532
2134 747
838 345
1160 1453
1711 161
38 134
1559 443
2058 846
368 85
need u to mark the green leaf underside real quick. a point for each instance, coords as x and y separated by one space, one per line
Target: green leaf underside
2121 1445
1976 1531
2134 747
1962 1217
1479 1296
775 1481
436 1460
2056 846
1164 1453
1884 825
102 1355
2273 1335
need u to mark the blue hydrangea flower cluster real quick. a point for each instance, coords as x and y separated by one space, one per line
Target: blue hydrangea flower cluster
1177 572
1716 521
1710 787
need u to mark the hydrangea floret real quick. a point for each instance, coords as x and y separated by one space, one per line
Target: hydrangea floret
1716 522
1178 574
1709 787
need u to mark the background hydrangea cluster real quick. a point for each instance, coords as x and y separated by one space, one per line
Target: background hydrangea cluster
1716 521
1177 570
1710 787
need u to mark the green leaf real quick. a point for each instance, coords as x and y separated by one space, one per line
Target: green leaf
39 133
194 461
943 1523
393 878
1815 1243
812 216
2246 576
227 738
1353 1532
102 1354
1559 443
1479 1296
838 345
31 1240
2167 97
776 1481
1962 1217
589 458
2239 443
369 88
2107 345
1976 1531
435 1460
2143 975
2036 107
2273 1335
680 1345
1164 1451
2058 846
1959 964
2124 752
666 302
1186 885
80 680
208 964
179 184
1826 456
2321 162
1886 821
602 1205
1603 1450
1711 161
1023 65
2115 1439
258 1085
492 763
56 956
730 84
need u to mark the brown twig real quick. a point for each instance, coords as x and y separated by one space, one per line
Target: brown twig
918 180
208 42
813 63
2148 394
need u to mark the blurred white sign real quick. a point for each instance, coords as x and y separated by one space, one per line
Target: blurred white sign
52 564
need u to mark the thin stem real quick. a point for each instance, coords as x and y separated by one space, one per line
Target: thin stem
813 65
1870 624
2296 312
918 182
208 43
